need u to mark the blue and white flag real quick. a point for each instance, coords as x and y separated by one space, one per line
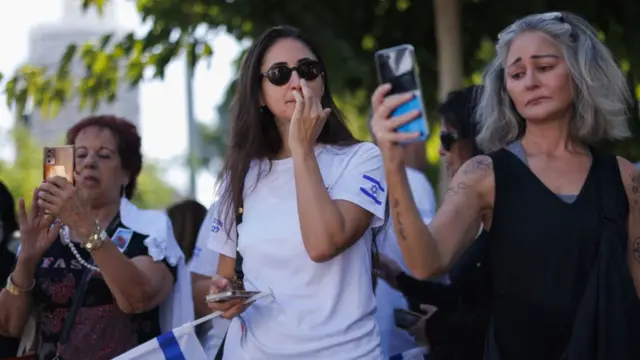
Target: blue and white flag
177 344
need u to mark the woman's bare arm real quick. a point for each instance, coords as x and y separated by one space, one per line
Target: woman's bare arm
429 250
328 226
138 284
226 267
14 309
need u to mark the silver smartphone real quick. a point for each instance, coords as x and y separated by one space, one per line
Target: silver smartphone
398 66
230 295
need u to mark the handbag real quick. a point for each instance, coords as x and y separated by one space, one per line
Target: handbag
608 318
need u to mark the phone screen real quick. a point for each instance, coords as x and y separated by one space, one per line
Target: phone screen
59 161
397 67
405 319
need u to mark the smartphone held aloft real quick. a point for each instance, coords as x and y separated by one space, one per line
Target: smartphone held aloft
398 66
59 161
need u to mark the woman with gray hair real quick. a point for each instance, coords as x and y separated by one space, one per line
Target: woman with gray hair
563 218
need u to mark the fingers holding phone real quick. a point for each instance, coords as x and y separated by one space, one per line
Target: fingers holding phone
399 115
418 331
230 306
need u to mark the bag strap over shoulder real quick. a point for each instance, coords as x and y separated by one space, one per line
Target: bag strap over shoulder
238 282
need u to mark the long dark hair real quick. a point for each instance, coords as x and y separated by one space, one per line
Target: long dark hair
459 112
254 134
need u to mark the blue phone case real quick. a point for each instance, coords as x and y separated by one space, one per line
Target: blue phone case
417 125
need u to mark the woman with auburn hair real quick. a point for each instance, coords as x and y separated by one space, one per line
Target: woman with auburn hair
97 274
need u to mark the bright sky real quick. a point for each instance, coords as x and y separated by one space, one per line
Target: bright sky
163 118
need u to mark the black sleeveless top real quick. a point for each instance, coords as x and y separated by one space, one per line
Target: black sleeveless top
542 250
101 330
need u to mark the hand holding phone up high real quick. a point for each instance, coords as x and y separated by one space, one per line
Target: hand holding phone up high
231 308
384 125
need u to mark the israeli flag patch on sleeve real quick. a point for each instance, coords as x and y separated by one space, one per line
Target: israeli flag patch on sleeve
372 188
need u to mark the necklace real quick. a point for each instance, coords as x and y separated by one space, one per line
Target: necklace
66 237
65 234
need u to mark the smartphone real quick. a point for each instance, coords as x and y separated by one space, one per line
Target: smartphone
405 319
230 295
398 67
59 161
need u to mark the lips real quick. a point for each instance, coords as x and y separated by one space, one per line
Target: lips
90 179
536 100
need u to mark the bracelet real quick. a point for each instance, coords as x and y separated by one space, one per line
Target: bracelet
14 290
96 239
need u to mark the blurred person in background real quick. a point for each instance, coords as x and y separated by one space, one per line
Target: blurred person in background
8 225
458 312
98 273
186 218
394 340
309 195
204 266
563 218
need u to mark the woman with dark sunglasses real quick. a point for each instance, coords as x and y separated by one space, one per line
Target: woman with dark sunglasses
309 195
563 218
457 313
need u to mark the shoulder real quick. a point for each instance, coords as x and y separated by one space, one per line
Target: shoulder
475 170
475 176
628 170
362 150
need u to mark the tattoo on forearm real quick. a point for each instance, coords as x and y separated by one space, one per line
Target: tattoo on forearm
395 204
636 250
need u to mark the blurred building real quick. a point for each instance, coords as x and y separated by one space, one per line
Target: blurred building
47 44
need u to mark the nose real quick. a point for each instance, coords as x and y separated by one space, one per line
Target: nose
90 161
443 152
294 82
531 80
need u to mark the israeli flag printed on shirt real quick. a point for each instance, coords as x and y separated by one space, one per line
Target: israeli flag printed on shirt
178 344
373 189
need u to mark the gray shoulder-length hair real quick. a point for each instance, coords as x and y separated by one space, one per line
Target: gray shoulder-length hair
601 94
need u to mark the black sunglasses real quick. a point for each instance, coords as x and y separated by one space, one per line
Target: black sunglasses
280 74
447 139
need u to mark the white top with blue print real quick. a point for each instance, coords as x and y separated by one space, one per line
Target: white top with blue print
321 310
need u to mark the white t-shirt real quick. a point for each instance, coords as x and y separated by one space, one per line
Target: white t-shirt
393 339
204 261
320 310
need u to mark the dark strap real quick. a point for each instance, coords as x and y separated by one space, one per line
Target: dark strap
80 291
75 305
239 281
607 195
238 266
